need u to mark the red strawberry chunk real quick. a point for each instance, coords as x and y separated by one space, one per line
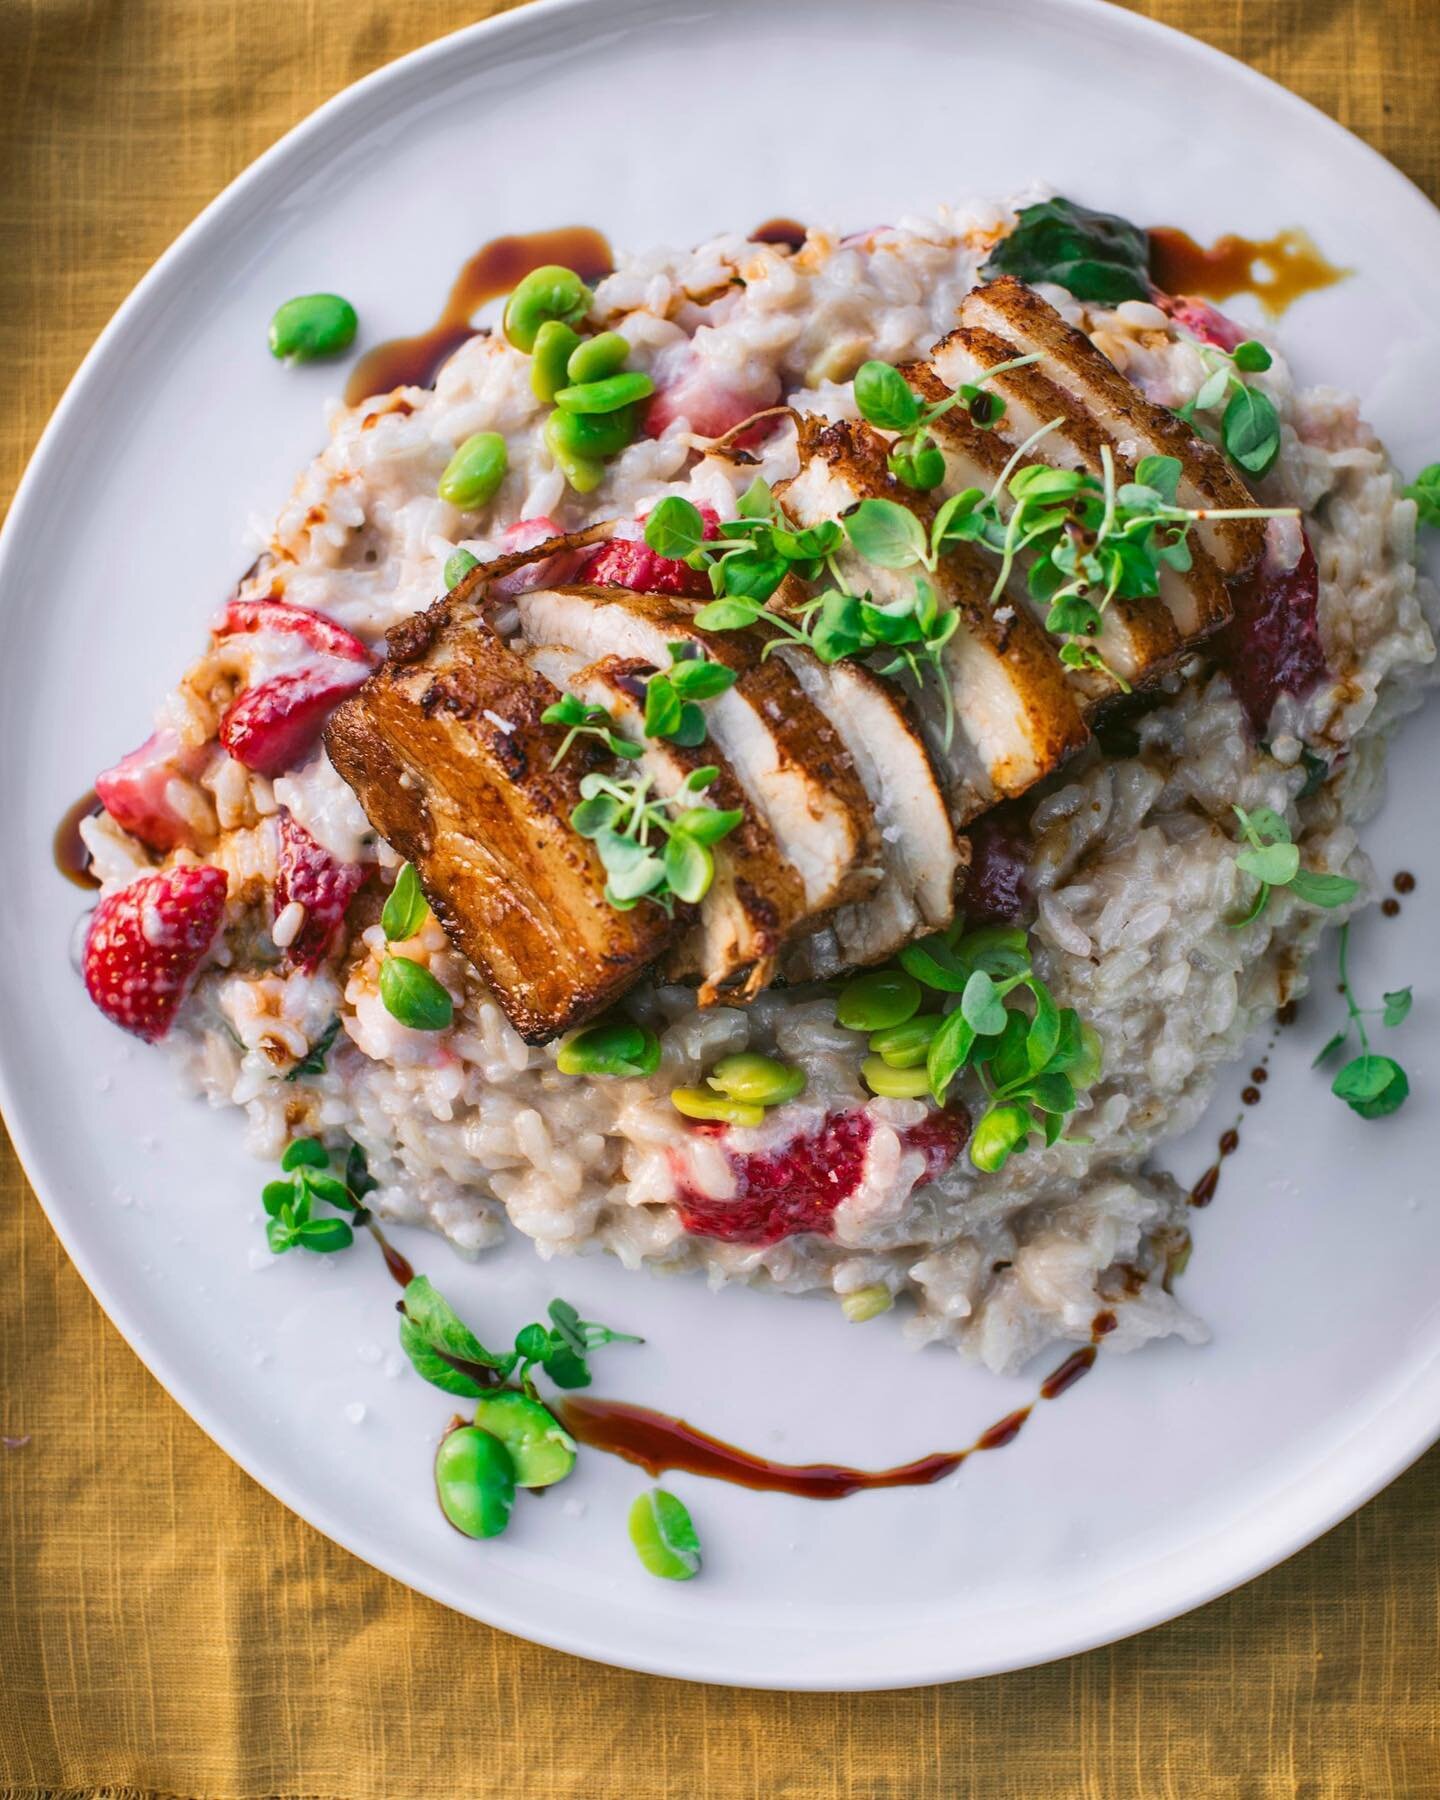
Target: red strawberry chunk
318 633
320 882
1202 320
136 792
709 405
272 727
146 942
631 563
1272 645
545 571
779 1193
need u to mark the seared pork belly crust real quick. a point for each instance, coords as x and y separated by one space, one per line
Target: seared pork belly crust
854 787
449 758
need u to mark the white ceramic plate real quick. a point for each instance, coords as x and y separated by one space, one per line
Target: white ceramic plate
1161 1480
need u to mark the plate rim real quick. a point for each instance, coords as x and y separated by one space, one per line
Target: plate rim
1416 1405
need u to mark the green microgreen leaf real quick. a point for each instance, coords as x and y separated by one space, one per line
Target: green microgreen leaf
674 528
305 1153
1424 490
887 534
442 1348
1372 1086
413 996
1397 1006
885 398
1251 356
313 1061
1250 431
405 907
1319 889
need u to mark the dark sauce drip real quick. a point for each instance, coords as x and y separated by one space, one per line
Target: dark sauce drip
1103 1324
398 1265
1203 1191
492 271
1277 270
1260 1074
656 1442
1404 882
1250 1096
1288 1013
72 859
787 232
1390 906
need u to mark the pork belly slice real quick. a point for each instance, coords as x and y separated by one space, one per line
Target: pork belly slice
921 854
1016 717
1191 602
756 898
796 774
445 749
1012 311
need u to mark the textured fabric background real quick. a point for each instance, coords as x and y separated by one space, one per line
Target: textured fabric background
166 1627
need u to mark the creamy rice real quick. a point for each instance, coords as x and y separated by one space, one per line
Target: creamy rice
1131 860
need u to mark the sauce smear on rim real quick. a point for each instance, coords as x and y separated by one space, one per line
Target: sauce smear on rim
493 270
1277 270
72 859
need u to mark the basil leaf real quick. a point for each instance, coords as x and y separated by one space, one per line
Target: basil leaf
885 398
405 907
886 534
674 528
412 995
1323 890
1097 256
1250 429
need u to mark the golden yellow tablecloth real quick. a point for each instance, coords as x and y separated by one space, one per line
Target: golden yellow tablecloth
165 1626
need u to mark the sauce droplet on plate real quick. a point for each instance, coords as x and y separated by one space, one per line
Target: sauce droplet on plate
72 859
1277 270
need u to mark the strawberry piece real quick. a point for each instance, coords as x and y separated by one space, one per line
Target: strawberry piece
318 633
146 943
322 884
631 563
708 405
941 1135
1272 645
546 571
272 727
1202 320
135 792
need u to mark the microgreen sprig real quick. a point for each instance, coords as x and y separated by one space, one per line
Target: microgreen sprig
581 720
1370 1085
673 695
408 991
1274 861
1244 420
1424 490
649 851
289 1204
885 399
443 1349
750 555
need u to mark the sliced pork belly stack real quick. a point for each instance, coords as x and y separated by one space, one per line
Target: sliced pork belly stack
1192 602
793 767
1016 716
1013 312
445 749
756 898
922 855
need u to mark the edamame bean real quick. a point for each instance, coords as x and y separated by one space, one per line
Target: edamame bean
597 357
549 360
701 1103
312 325
894 1084
867 1303
550 292
882 998
605 396
905 1046
474 473
613 1047
1001 1130
592 434
584 473
458 565
760 1080
474 1482
664 1536
541 1451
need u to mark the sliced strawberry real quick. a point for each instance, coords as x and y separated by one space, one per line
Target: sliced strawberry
318 633
546 571
779 1193
321 883
146 942
136 792
1272 645
1202 320
631 563
709 405
272 727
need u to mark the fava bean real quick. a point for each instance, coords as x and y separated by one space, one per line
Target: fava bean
604 396
614 1047
664 1536
458 565
905 1046
882 998
867 1303
555 341
550 292
759 1080
312 325
701 1103
894 1084
592 434
596 357
474 473
1001 1130
541 1451
584 473
474 1482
